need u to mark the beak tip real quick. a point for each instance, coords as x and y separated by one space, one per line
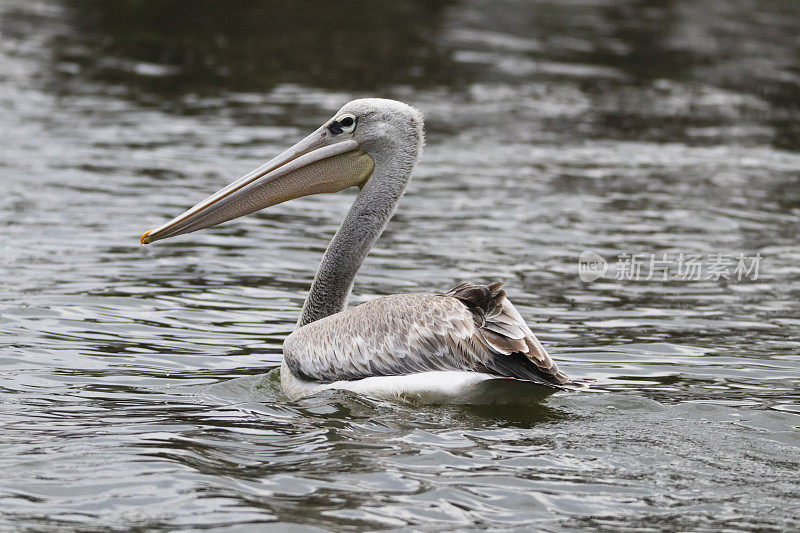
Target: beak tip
145 237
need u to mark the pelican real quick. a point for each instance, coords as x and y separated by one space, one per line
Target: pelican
468 345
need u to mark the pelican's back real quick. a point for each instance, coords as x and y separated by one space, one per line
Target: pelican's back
471 328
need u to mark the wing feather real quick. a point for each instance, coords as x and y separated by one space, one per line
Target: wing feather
469 328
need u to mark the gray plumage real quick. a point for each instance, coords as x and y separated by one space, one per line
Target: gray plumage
470 328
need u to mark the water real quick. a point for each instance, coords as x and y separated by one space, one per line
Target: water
138 389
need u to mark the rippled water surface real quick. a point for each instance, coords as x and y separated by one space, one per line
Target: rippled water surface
138 387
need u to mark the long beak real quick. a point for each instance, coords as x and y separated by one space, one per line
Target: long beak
317 164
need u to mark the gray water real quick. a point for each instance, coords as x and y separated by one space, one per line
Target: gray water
139 389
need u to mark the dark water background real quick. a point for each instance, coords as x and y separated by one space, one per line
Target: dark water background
136 391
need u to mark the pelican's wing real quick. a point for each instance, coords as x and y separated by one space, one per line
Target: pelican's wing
470 328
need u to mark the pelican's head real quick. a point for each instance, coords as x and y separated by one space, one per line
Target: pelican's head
341 153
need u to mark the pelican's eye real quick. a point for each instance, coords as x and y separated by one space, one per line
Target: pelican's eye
342 124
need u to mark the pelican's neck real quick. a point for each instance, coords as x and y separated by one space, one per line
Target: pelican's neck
366 220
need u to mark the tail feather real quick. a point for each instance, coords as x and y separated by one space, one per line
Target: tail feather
515 350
